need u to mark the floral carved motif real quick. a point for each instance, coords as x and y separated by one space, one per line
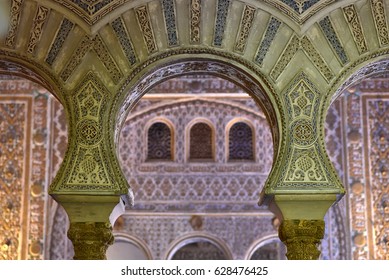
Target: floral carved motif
37 28
16 8
143 17
195 20
245 27
354 24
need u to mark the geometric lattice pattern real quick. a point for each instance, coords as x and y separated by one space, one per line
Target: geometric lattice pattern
159 142
241 142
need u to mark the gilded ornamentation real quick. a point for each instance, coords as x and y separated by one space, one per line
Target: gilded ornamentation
355 26
143 17
62 34
379 15
287 55
170 21
378 127
358 200
302 238
124 39
221 20
16 7
195 20
90 240
333 40
244 29
13 152
23 168
306 165
316 58
37 27
267 39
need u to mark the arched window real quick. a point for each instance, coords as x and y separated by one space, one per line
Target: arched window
201 146
159 140
240 142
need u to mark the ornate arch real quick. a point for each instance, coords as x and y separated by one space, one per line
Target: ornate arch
196 237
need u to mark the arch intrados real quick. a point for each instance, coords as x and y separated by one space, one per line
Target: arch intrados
259 243
154 108
175 66
27 71
359 73
123 237
197 237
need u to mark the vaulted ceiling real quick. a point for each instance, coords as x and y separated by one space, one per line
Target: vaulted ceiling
62 40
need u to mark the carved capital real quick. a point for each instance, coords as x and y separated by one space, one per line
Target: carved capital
302 238
90 240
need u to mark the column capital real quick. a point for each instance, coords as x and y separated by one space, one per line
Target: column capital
302 238
90 239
